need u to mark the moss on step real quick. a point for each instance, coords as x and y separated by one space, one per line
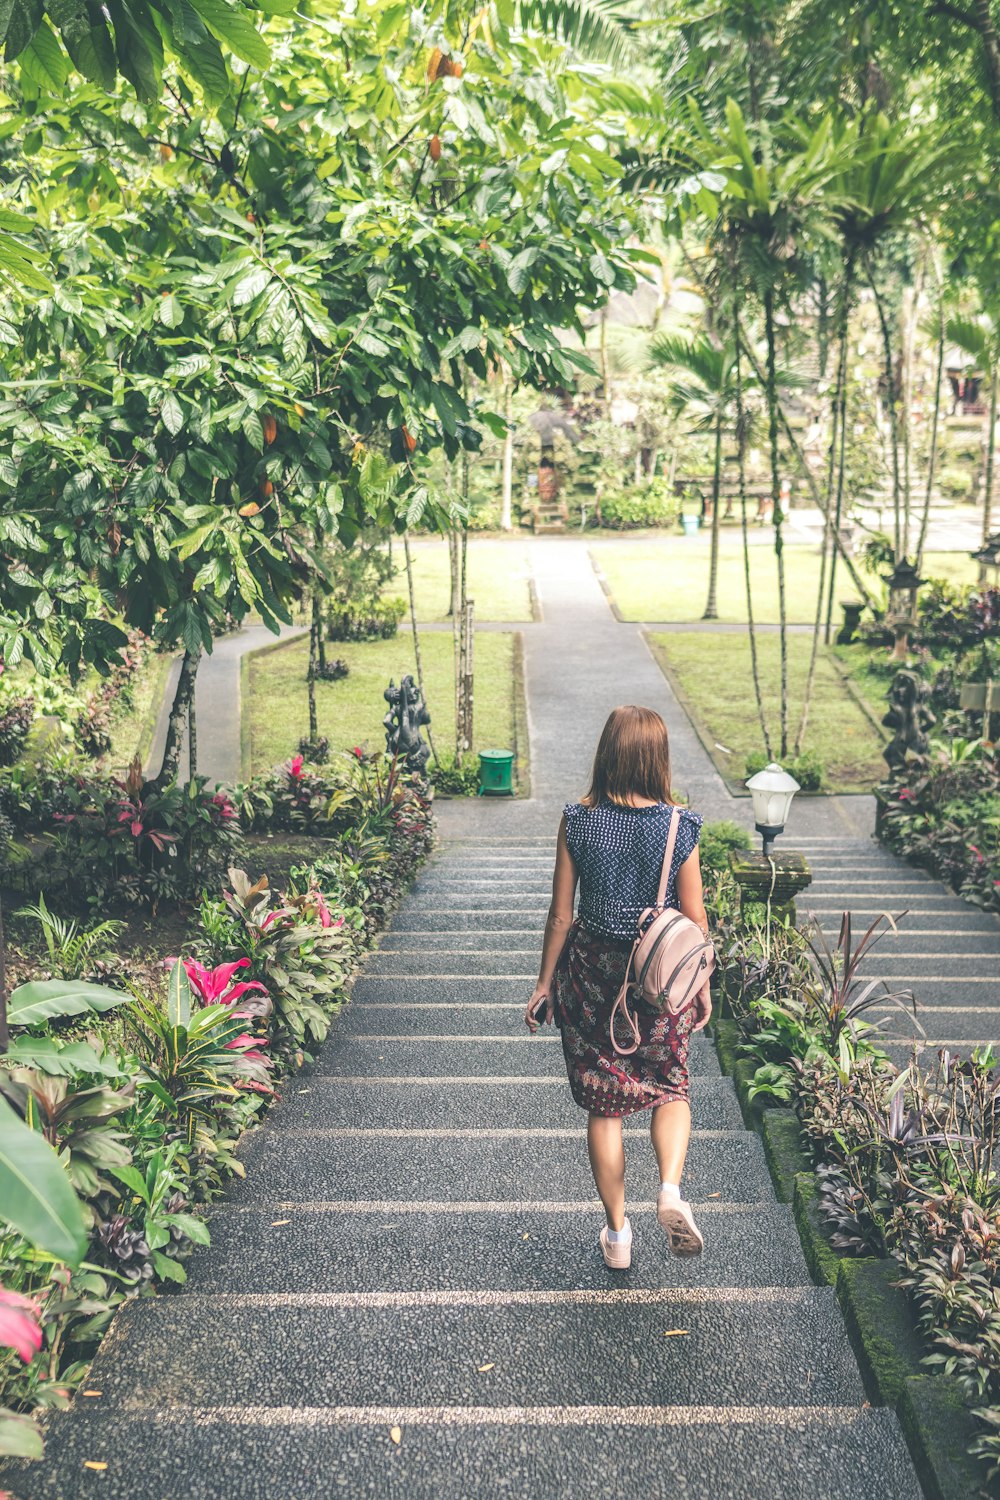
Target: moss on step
822 1260
784 1151
880 1323
939 1428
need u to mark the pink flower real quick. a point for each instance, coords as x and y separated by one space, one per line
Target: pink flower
294 767
905 795
215 986
358 752
20 1328
223 806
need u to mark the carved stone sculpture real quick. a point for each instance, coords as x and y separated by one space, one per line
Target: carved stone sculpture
910 718
407 714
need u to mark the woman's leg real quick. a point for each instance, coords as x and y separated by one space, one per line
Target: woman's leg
607 1162
669 1130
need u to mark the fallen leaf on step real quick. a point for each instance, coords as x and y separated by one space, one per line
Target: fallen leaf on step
724 748
91 1393
484 1368
715 1195
675 1333
91 1463
396 1433
277 1223
303 1091
526 1236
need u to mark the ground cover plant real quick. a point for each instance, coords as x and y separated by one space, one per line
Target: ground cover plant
843 745
498 579
122 1104
667 579
905 1160
350 711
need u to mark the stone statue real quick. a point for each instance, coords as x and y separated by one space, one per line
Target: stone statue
910 718
407 714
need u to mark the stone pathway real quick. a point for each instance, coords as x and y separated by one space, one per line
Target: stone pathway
404 1297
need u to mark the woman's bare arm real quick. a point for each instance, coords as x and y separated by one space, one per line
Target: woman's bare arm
557 925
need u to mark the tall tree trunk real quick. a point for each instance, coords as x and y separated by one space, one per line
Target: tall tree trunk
193 736
890 381
315 636
605 366
4 1028
178 722
777 515
814 491
827 551
418 656
935 422
507 481
835 504
991 446
741 449
712 604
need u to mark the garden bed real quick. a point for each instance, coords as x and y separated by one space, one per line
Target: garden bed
891 1183
667 579
143 1070
351 710
713 678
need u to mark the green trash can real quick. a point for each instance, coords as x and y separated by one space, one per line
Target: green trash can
496 773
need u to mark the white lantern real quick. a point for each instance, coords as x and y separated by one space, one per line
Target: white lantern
771 791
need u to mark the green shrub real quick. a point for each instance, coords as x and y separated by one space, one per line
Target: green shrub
807 768
456 781
651 505
370 620
955 483
716 841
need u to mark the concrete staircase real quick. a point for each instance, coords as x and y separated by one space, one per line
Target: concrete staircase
405 1297
947 952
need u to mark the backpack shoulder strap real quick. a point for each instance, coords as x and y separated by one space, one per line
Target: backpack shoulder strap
668 856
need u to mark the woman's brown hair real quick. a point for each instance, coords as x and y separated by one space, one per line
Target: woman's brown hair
632 760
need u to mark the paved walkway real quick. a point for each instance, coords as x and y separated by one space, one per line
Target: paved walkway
404 1297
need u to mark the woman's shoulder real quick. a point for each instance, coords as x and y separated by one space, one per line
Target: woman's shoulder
690 819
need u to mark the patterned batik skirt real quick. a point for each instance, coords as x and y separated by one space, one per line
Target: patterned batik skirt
587 981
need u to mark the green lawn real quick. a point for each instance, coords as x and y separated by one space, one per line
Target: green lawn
351 710
714 675
497 580
667 578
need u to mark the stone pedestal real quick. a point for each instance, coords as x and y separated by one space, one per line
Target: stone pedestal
777 878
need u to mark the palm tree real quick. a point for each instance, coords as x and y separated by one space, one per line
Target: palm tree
979 338
707 395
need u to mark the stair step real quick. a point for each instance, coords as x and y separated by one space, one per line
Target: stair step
338 1249
441 1104
412 1348
509 1061
312 1165
745 1453
947 1023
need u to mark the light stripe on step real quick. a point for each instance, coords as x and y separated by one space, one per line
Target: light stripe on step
832 1417
625 1296
406 1207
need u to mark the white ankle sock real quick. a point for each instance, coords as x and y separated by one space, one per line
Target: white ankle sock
615 1236
673 1188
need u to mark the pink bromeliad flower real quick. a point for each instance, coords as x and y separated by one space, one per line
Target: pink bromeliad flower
20 1328
294 767
215 986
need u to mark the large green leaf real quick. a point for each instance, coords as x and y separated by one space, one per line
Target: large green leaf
31 1004
61 1059
36 1195
19 1437
179 996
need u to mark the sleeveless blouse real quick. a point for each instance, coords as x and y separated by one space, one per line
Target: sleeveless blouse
618 853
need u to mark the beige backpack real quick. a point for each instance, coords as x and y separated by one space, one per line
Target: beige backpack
671 960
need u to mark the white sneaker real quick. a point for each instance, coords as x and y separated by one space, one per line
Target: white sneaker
674 1215
617 1253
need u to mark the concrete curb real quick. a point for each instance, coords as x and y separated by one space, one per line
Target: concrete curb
932 1409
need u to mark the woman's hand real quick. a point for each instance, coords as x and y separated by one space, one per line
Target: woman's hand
703 1007
540 1007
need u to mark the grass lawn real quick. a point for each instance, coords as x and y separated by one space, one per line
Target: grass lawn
132 729
667 578
714 674
351 710
497 581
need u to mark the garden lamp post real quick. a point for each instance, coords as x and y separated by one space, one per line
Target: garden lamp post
771 792
765 878
904 582
988 558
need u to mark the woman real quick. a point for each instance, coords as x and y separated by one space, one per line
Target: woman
613 843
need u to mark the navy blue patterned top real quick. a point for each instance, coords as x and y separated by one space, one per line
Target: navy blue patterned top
618 852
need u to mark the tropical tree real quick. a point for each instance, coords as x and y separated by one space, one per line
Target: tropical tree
979 338
704 389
